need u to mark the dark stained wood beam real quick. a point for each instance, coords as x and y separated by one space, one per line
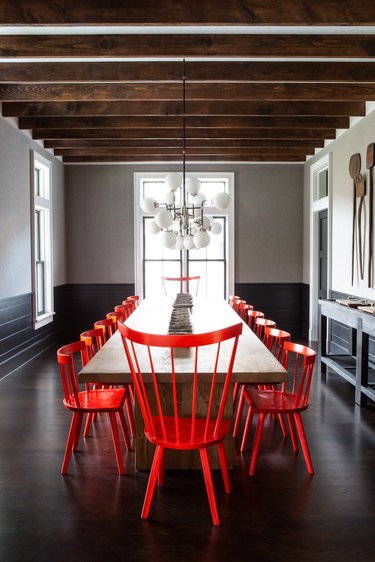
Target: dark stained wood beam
204 122
159 72
181 45
187 12
178 152
195 108
193 158
190 133
160 144
173 92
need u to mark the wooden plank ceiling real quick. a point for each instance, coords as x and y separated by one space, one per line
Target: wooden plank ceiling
252 93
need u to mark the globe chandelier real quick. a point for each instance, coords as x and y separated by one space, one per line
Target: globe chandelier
183 225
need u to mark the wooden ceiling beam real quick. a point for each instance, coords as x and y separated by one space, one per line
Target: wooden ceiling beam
173 92
177 133
195 108
188 12
176 143
204 122
185 46
192 158
159 72
255 151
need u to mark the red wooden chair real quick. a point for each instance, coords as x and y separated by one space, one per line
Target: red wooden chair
90 401
134 299
282 402
94 341
115 316
129 306
174 429
180 283
261 324
251 316
242 310
107 326
237 303
231 298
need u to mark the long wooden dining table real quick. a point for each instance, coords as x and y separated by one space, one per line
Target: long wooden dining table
254 364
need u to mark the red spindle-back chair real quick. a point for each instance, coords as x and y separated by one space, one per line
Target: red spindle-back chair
242 310
237 303
93 339
251 316
274 340
71 358
115 316
106 326
134 299
181 285
280 402
231 298
173 429
261 324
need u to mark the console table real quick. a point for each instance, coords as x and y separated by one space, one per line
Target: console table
353 366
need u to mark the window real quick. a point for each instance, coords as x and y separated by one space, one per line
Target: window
214 264
41 238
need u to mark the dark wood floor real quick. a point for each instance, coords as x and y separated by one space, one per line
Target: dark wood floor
93 514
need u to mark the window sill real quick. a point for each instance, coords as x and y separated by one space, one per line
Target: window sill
43 320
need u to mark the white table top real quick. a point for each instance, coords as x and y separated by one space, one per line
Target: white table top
254 363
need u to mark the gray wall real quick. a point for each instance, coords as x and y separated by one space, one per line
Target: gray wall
100 224
354 140
15 249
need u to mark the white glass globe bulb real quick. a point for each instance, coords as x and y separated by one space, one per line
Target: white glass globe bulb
163 218
180 242
189 242
148 205
168 239
173 181
216 227
206 223
221 200
193 186
153 228
201 239
198 199
168 198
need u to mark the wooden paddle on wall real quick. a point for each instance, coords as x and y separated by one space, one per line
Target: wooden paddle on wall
354 170
370 162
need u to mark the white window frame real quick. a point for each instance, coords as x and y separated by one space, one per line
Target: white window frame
317 205
139 177
42 203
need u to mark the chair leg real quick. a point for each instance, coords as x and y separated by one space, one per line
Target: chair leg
257 439
161 471
236 390
224 466
158 456
239 411
116 443
129 411
209 486
89 420
293 434
249 419
70 442
303 441
78 431
283 425
124 430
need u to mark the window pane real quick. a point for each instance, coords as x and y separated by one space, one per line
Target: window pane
323 184
157 189
37 177
153 274
40 284
153 247
212 282
210 188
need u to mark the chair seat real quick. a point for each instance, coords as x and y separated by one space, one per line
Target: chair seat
185 429
274 401
105 400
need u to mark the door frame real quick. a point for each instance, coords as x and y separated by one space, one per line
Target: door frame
317 205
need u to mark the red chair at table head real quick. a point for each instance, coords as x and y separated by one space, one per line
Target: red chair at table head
200 425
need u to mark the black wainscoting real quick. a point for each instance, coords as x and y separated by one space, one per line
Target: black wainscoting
76 306
19 342
281 302
87 303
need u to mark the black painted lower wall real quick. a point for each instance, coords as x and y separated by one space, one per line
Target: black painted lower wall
285 303
78 306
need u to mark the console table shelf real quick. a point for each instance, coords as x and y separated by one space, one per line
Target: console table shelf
354 366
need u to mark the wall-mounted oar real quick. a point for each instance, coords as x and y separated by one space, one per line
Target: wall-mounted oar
370 162
360 191
354 170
